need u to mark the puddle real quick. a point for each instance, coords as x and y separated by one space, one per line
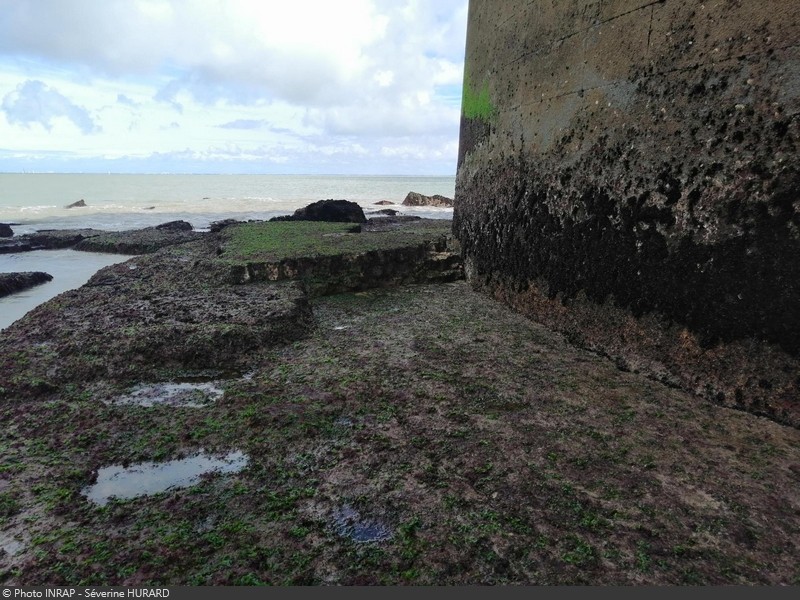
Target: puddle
344 422
349 523
151 478
10 546
172 394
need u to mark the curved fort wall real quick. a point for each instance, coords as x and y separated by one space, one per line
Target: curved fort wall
629 174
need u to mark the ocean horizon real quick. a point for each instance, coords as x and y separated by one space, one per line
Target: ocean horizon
119 202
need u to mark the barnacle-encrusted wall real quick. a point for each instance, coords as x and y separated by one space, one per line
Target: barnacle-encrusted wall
629 173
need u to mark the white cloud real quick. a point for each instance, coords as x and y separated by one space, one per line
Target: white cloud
253 73
34 102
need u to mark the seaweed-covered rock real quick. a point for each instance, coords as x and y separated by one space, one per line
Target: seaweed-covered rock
140 241
159 311
11 283
55 239
14 245
331 258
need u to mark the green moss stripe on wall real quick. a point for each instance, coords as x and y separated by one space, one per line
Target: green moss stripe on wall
477 103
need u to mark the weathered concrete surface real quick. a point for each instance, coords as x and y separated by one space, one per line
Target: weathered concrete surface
628 174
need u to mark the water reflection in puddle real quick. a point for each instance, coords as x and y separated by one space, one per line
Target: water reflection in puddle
151 478
349 523
11 546
172 394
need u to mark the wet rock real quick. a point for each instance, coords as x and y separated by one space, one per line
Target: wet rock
167 310
338 211
388 223
79 204
416 199
12 246
384 202
5 230
217 226
386 211
175 226
11 283
140 241
56 239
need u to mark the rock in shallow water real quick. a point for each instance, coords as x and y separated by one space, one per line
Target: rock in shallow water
415 199
11 283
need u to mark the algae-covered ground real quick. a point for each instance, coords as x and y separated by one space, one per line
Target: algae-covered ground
300 239
421 434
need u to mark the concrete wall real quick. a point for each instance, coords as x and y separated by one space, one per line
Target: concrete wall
628 173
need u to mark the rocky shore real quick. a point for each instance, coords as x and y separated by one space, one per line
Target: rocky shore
186 307
138 241
365 418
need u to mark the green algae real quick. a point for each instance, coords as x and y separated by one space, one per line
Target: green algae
476 103
300 239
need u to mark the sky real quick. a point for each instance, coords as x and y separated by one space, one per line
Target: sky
231 86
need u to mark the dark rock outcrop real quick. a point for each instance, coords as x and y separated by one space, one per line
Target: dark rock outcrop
415 199
217 226
137 241
384 203
55 239
79 204
11 283
336 211
13 246
175 226
5 230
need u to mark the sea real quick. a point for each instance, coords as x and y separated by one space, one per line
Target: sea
119 202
